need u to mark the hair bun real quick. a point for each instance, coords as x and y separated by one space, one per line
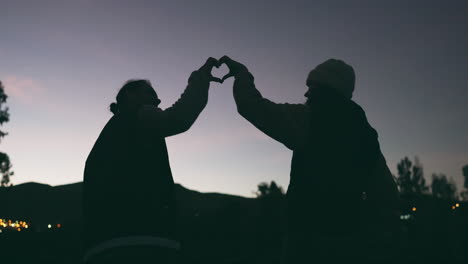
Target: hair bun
114 108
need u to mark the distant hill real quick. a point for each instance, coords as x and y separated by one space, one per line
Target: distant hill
41 202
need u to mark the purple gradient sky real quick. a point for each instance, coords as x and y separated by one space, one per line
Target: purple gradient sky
62 63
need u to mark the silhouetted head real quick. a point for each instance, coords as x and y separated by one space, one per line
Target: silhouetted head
132 95
332 74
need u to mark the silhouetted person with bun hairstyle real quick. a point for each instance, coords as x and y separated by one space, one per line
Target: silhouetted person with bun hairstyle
342 201
129 205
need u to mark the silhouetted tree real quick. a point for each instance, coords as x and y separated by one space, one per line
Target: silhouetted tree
5 164
269 190
410 177
464 193
443 188
4 115
465 174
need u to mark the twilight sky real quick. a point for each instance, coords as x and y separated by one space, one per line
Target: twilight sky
62 63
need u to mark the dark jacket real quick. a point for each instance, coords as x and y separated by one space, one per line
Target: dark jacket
340 186
128 185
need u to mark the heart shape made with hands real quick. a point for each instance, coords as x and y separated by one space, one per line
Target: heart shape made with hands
220 70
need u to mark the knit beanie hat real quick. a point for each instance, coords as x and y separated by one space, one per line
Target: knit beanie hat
335 74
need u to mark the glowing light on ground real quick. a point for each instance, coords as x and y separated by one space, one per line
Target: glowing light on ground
13 225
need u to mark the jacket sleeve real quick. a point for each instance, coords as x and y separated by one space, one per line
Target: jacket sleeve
286 123
182 114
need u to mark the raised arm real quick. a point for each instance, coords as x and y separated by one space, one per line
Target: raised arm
182 114
286 123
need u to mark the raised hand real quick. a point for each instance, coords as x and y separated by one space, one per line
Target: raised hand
208 66
234 67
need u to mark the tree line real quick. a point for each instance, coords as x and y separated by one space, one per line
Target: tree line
409 179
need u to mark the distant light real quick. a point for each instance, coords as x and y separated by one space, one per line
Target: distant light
59 225
49 226
413 209
405 217
26 226
19 229
453 207
1 231
457 205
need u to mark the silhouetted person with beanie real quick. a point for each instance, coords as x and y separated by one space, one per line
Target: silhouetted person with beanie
129 206
342 201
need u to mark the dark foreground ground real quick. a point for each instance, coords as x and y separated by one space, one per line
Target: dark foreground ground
214 228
